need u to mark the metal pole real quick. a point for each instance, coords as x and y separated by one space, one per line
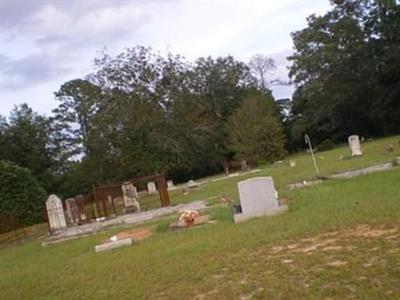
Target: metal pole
308 142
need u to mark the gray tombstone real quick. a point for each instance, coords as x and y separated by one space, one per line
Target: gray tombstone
243 165
73 212
130 196
55 212
257 198
355 147
151 187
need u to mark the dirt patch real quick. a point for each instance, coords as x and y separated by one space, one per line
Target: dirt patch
339 240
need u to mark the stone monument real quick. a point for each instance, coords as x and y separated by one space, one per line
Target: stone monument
151 187
73 212
55 213
355 147
257 198
130 196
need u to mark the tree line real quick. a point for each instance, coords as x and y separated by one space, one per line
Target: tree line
140 112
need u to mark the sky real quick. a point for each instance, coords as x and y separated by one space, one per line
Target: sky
46 43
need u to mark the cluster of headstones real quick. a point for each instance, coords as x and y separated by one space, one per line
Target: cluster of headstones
59 219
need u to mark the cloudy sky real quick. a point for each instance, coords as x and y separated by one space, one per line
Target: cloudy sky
45 43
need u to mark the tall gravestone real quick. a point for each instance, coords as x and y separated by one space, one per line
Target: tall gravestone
73 211
130 196
151 187
257 198
355 147
55 213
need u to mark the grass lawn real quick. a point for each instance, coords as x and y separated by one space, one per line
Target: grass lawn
339 240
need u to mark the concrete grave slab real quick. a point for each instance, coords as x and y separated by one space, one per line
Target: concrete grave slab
113 245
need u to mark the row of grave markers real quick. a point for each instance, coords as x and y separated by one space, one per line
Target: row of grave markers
58 218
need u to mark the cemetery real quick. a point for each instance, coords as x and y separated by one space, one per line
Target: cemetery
285 230
203 150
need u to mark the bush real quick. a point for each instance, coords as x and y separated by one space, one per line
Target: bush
20 193
326 145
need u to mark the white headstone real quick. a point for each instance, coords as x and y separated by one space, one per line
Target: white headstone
257 198
355 147
151 187
55 212
170 184
130 196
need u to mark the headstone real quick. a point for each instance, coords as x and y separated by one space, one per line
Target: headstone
243 165
73 212
192 184
55 212
129 195
257 198
355 147
151 187
170 185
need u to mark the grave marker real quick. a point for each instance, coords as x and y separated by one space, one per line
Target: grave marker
55 213
130 196
355 147
257 198
151 187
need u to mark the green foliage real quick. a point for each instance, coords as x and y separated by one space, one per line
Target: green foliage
326 145
20 193
140 112
26 141
346 70
255 132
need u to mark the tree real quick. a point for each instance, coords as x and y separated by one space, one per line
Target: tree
261 66
255 131
20 193
79 100
221 84
26 142
338 67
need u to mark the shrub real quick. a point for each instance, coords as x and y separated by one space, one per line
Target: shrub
326 145
20 193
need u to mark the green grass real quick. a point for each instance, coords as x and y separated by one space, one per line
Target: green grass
265 258
329 162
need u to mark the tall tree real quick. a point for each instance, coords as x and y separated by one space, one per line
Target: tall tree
255 131
26 142
337 69
79 100
261 67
